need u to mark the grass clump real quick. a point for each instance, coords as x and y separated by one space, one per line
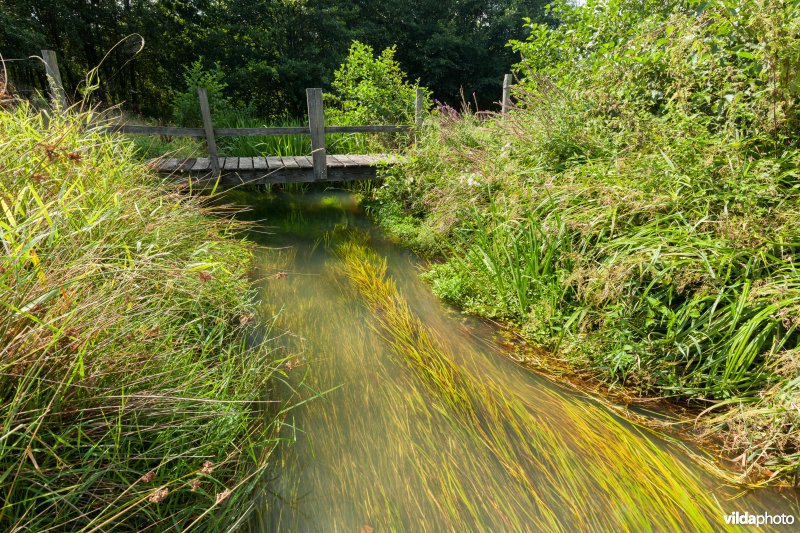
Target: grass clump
638 211
131 396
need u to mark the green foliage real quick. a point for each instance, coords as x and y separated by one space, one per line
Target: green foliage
638 211
270 50
369 89
731 65
186 103
131 387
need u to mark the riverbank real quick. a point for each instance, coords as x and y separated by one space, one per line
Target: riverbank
649 238
133 393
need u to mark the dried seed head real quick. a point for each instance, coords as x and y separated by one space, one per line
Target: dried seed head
159 496
148 477
208 467
195 484
222 496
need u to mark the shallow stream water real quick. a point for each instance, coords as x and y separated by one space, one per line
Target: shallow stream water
374 446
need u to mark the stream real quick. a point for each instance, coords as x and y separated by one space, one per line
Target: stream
458 437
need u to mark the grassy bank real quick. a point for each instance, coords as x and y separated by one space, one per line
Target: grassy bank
131 395
638 212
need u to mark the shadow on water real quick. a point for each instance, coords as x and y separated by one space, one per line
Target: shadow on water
383 449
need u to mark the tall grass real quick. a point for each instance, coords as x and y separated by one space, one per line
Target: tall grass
648 235
132 397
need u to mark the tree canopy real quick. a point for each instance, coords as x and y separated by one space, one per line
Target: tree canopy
268 50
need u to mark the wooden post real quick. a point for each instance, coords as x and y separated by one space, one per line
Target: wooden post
57 93
316 126
506 93
205 111
418 108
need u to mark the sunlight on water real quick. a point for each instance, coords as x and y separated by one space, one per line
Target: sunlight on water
416 421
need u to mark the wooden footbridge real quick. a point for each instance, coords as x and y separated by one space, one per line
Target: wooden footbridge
317 167
263 170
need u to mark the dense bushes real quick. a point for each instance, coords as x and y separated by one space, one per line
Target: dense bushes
638 212
129 393
371 90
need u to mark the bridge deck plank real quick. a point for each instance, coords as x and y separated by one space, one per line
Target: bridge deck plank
275 163
239 170
168 166
337 161
231 163
186 165
304 161
202 164
363 160
290 162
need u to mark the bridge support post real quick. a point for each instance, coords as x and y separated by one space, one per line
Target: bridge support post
507 79
57 93
316 126
205 111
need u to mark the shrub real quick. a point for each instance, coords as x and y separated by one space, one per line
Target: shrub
372 90
186 105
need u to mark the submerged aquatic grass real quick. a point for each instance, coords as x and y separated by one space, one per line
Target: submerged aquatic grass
554 461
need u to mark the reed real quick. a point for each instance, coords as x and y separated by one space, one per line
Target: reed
131 395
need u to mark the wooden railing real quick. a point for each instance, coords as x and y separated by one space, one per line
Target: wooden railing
316 120
316 129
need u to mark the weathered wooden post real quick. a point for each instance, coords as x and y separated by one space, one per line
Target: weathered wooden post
418 108
507 79
57 93
316 126
208 126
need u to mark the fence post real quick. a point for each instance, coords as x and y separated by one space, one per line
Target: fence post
418 108
57 93
316 126
205 111
507 79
